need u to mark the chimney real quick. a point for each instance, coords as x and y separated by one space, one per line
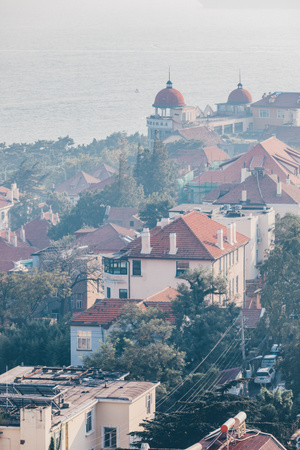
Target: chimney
22 234
51 215
288 181
7 235
145 236
11 195
57 218
42 216
234 232
279 188
220 239
15 240
17 194
173 248
230 234
244 196
244 174
164 221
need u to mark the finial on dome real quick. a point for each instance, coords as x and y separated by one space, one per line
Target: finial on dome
240 86
169 82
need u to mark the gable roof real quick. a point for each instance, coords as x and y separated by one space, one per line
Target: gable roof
36 230
104 312
103 172
107 238
121 213
101 184
274 156
200 133
196 238
76 184
10 254
279 100
199 157
261 190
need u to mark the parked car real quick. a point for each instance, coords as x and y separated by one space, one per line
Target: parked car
265 375
269 361
276 349
280 386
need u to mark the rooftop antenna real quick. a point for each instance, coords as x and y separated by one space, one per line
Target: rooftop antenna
169 73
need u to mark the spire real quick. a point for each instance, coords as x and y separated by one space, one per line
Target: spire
240 86
169 82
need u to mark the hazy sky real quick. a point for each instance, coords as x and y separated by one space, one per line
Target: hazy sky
68 10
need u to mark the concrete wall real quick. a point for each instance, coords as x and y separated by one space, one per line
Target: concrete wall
260 123
9 438
35 426
97 335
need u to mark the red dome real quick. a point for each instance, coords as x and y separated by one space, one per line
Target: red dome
239 95
168 98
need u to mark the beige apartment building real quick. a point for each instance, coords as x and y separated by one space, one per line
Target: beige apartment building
80 409
158 257
277 108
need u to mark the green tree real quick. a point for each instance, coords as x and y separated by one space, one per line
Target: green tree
155 207
60 203
23 294
89 211
208 412
155 171
140 343
24 211
35 342
281 274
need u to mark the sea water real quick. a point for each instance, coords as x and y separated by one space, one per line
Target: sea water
90 74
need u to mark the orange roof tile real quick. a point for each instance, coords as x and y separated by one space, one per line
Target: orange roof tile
196 238
76 184
108 238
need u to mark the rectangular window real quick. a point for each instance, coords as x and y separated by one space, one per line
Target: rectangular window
181 267
78 304
237 284
149 403
229 259
131 223
264 113
89 421
110 437
123 293
115 266
108 292
237 255
220 265
232 258
280 114
84 340
136 267
232 286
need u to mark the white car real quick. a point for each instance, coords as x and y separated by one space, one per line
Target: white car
269 361
276 349
265 375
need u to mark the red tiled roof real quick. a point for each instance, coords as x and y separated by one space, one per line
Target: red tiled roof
201 133
281 100
252 440
103 172
215 153
251 317
101 184
166 295
108 238
269 154
228 375
121 213
196 238
199 158
10 254
76 184
103 312
260 191
164 306
36 231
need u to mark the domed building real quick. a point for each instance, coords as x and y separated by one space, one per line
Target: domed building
238 103
171 114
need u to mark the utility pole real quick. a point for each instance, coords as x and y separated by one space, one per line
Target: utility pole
243 338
